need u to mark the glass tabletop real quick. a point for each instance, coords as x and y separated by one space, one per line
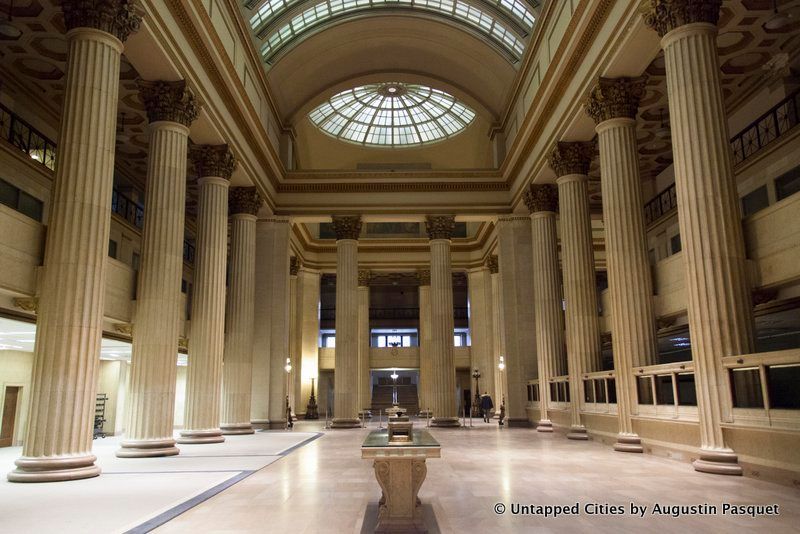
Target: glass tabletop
419 438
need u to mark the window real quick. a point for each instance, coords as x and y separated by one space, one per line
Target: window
20 201
611 384
460 338
328 339
746 388
112 249
675 244
783 388
644 389
392 114
664 393
755 201
588 391
687 393
787 184
600 389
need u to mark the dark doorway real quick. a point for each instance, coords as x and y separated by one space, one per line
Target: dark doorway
9 416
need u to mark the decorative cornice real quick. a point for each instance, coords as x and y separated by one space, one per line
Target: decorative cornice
542 198
294 266
117 17
364 276
572 157
346 226
168 101
28 304
390 187
493 264
665 15
613 98
244 200
424 277
124 328
213 160
440 226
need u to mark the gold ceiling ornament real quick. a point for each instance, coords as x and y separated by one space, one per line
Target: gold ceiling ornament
493 264
364 276
663 16
294 266
213 160
613 98
244 200
183 343
424 277
117 17
572 157
440 226
542 198
124 328
346 226
28 304
168 101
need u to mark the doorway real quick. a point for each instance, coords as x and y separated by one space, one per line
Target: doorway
9 415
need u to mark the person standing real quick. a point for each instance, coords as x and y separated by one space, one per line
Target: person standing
486 406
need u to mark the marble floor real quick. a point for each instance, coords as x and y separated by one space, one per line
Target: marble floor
325 486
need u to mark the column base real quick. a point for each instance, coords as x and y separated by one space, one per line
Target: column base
577 433
237 428
260 424
544 425
195 437
147 448
628 443
277 425
717 462
445 422
345 422
54 469
518 422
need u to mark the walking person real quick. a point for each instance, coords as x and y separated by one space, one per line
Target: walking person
486 406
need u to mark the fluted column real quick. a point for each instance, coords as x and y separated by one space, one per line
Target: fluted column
58 440
719 305
308 302
571 163
259 406
498 333
296 333
346 372
613 104
481 326
151 402
542 201
442 352
425 370
278 321
364 378
237 370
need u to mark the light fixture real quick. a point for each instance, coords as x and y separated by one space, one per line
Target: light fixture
663 131
777 20
7 28
502 364
394 375
288 366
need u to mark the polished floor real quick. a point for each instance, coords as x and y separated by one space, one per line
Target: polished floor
312 480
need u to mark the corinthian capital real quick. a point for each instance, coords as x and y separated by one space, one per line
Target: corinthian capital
542 198
116 17
294 266
493 264
244 200
213 160
440 226
614 98
364 276
346 226
572 158
665 15
168 101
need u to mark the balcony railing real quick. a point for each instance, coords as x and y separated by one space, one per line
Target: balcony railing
128 209
27 138
767 128
663 203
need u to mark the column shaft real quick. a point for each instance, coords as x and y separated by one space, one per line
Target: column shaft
498 334
262 335
482 330
364 378
346 364
58 440
425 370
308 282
279 323
442 356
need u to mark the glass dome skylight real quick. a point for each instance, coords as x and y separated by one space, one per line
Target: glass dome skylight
391 115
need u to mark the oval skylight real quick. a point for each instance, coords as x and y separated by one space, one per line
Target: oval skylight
392 114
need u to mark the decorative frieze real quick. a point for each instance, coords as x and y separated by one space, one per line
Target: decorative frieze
665 15
294 266
364 277
213 160
346 226
244 200
168 101
613 98
440 226
117 17
493 264
541 198
424 277
572 158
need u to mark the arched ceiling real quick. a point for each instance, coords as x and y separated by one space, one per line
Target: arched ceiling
397 47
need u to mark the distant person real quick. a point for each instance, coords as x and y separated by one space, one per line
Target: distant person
486 406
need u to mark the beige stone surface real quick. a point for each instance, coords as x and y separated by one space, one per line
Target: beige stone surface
346 376
442 357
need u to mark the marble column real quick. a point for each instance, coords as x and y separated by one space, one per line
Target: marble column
347 229
442 350
613 104
69 326
295 333
498 333
279 322
151 400
481 326
364 377
308 287
571 161
237 369
262 335
719 302
425 370
214 164
516 257
542 201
